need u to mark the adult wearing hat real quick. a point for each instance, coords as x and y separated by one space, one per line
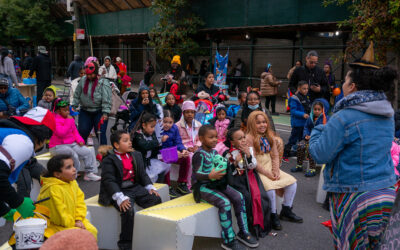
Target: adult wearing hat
355 145
20 138
11 101
93 95
121 66
107 70
7 69
42 66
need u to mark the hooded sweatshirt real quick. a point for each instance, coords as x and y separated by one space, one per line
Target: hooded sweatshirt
321 119
66 205
48 105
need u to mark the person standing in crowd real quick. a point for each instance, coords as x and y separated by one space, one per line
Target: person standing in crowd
330 77
269 88
7 69
74 68
93 95
121 66
355 145
42 66
190 71
313 75
28 61
11 101
298 64
239 73
148 72
107 70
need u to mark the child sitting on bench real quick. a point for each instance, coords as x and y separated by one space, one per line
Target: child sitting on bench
223 196
123 182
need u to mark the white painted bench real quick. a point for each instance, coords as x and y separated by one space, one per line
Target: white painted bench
321 193
107 220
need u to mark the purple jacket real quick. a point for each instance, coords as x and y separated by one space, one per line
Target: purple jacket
174 138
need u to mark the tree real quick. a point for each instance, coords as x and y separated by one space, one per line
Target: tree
372 20
173 32
30 20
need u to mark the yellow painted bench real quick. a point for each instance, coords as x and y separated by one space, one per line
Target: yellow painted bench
107 220
174 224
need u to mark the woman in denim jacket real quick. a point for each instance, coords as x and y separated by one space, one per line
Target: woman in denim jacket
355 145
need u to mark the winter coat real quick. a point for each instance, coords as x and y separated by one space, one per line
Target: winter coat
65 133
66 205
42 66
136 108
111 73
122 67
112 174
144 146
212 91
8 69
27 63
174 138
187 140
395 152
14 98
315 75
269 84
176 111
310 124
74 68
297 111
174 90
355 144
102 96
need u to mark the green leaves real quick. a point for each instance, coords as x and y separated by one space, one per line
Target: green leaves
30 19
174 31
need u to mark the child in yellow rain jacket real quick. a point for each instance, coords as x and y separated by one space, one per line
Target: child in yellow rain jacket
66 203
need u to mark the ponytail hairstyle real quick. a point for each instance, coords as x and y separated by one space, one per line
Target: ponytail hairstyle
168 113
229 137
145 117
55 164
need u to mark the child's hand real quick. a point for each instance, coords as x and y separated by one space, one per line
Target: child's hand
245 148
307 137
269 174
216 175
195 148
276 173
185 153
152 191
145 101
164 138
238 159
81 144
79 224
191 149
125 205
306 116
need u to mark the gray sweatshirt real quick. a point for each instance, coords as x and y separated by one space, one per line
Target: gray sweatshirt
8 69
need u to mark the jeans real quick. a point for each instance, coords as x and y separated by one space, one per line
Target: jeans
270 99
295 136
87 120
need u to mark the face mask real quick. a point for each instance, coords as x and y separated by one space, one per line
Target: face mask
253 107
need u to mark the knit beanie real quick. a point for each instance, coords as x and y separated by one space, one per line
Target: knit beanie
188 105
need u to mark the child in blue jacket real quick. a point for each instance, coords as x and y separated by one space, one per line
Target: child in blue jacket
170 137
299 109
317 116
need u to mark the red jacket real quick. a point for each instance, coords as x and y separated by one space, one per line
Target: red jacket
174 90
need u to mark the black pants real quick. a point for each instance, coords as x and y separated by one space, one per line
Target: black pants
270 99
32 169
295 136
40 87
137 194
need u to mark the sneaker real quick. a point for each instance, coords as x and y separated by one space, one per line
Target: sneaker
310 173
247 239
298 168
285 159
90 141
233 245
91 177
182 188
172 193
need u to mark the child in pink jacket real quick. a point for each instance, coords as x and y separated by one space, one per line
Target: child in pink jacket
67 140
188 130
395 152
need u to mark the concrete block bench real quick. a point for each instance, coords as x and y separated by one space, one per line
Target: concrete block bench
107 220
321 193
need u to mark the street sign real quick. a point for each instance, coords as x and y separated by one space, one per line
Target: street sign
80 34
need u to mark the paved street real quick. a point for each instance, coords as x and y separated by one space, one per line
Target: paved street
308 235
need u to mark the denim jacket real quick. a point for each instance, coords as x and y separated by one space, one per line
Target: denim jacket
355 145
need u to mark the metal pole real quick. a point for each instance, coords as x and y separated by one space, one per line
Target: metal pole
76 26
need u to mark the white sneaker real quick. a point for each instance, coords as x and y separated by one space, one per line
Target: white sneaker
91 177
90 141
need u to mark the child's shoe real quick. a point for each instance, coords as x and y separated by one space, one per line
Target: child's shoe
275 222
172 193
285 159
247 239
233 245
287 214
310 173
91 177
298 168
182 188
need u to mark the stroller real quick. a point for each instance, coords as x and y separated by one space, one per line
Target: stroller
122 113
